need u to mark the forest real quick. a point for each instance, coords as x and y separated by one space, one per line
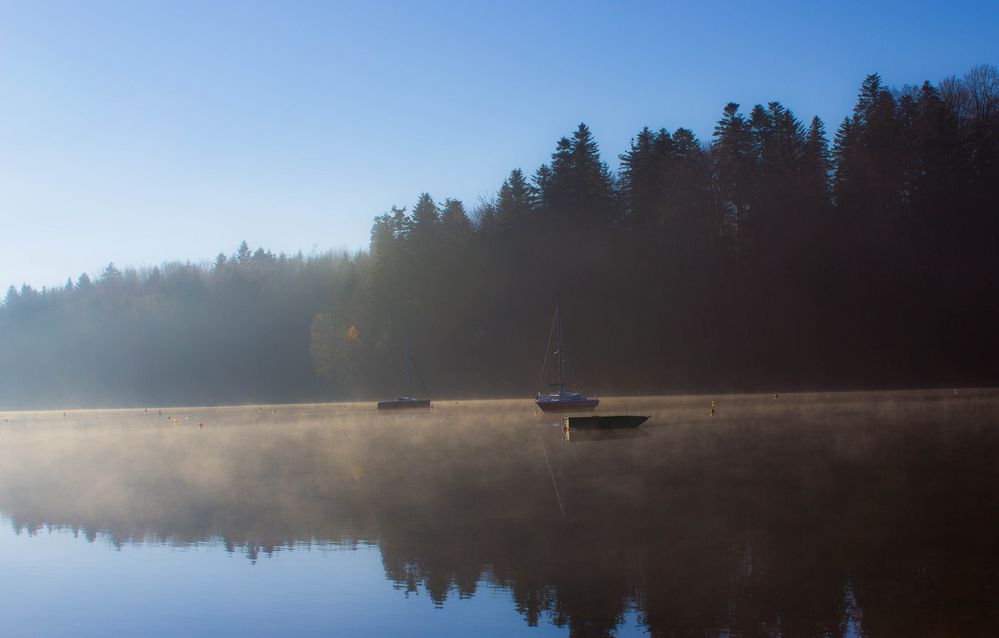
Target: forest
775 256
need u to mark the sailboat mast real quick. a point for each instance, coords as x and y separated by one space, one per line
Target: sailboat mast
419 376
561 361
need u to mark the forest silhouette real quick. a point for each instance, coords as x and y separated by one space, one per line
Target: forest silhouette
765 258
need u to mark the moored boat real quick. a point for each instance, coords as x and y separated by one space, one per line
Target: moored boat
402 403
563 400
603 422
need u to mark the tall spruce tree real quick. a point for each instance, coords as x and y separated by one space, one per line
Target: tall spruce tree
579 189
641 168
735 163
816 164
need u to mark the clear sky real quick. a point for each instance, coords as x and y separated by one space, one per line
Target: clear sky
150 131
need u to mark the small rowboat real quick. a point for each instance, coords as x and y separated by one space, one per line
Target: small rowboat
606 422
403 403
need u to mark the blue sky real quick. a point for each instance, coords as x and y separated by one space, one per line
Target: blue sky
142 132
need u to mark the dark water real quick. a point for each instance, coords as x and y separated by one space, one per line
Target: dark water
818 515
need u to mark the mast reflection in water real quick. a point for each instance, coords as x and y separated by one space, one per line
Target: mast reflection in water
814 515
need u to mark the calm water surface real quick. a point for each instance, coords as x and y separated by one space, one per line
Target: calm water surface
805 515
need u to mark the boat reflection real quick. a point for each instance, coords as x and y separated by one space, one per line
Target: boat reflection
580 435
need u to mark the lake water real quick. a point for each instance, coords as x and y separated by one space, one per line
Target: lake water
801 515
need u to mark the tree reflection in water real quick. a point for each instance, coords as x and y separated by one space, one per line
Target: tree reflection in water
820 515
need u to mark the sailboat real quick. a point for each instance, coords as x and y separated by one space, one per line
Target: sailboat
401 403
563 400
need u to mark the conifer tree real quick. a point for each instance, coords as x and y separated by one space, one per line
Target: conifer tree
425 215
816 163
845 150
579 187
877 172
641 169
381 235
243 253
541 188
454 218
779 140
594 188
401 223
514 209
110 274
11 297
735 163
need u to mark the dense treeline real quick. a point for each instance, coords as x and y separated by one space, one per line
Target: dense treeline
766 257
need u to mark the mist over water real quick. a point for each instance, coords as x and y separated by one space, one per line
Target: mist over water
804 515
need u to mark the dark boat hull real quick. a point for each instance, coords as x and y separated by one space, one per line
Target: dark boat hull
607 422
398 404
567 406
